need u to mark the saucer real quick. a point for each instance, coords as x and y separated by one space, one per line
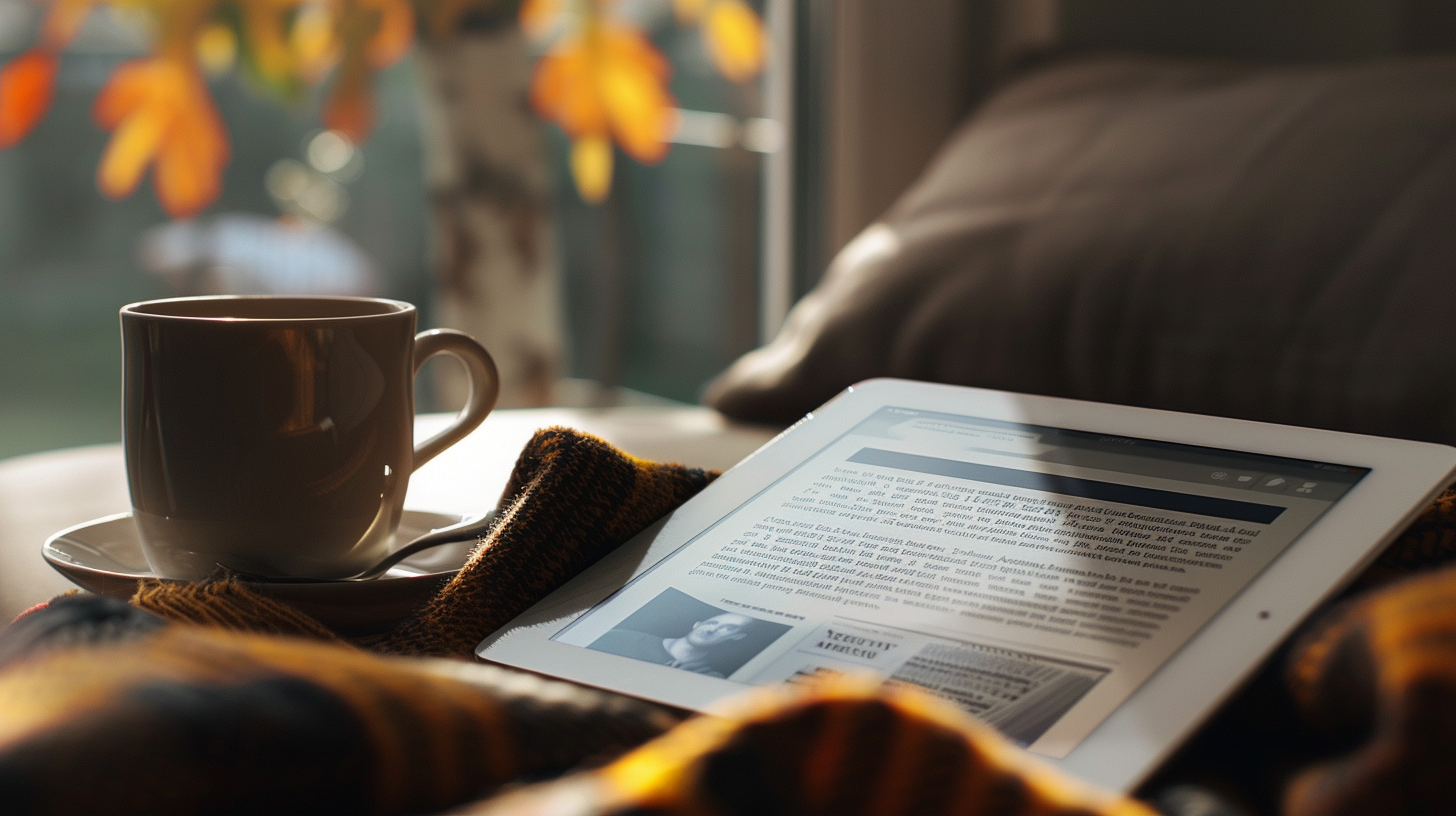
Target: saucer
105 557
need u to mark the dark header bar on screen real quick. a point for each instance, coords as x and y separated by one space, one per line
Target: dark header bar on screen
1070 486
1152 448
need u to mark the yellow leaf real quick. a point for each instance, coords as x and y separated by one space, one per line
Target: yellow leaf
640 110
312 41
591 167
265 31
132 147
735 39
217 48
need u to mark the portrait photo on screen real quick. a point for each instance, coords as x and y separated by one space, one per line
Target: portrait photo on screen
677 630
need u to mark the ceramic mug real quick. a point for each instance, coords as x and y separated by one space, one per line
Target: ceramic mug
274 435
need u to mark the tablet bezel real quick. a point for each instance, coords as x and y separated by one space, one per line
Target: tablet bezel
1405 476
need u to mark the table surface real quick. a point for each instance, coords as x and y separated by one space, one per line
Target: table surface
46 492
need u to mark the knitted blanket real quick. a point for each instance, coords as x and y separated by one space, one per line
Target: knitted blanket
571 499
210 698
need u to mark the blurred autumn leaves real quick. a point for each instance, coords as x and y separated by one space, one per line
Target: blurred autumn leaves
602 80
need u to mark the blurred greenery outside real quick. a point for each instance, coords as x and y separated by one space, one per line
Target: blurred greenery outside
650 279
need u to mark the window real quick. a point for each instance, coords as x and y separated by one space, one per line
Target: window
660 284
662 279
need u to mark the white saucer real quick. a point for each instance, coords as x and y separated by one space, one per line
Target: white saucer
105 557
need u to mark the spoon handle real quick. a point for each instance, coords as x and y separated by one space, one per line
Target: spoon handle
474 527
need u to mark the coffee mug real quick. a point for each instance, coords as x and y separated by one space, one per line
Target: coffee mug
274 435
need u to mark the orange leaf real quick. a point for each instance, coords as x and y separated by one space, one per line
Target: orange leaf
124 92
189 167
629 45
564 90
734 38
188 173
350 106
612 80
160 113
394 34
351 115
26 85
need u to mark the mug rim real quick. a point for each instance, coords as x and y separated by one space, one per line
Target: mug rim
141 309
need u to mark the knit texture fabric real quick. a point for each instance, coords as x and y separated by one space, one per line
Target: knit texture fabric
146 717
229 702
1379 674
845 747
571 499
106 709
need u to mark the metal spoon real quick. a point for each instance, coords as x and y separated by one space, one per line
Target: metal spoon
476 527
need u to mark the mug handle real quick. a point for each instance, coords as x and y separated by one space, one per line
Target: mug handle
484 386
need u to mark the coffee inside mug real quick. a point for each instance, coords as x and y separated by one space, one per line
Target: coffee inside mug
273 435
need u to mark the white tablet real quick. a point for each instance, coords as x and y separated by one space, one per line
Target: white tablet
1091 579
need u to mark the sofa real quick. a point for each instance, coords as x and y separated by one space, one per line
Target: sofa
1266 243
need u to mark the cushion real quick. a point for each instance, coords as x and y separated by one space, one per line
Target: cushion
1269 243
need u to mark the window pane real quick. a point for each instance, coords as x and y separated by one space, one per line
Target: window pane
69 258
661 280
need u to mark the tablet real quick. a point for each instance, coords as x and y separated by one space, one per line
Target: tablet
1093 580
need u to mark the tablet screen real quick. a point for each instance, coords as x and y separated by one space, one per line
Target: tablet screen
1034 576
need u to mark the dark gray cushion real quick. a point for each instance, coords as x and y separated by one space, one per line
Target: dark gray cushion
1266 243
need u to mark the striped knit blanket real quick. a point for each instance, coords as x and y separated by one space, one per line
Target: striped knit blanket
210 698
